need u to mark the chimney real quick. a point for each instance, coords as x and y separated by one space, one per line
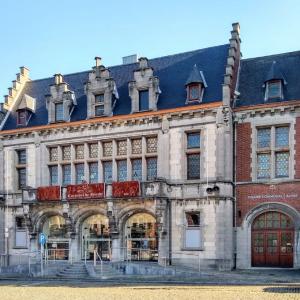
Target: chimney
98 61
130 59
58 78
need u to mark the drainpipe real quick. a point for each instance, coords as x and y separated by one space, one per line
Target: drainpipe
170 230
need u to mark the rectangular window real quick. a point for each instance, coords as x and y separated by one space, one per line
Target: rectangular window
136 146
122 147
20 231
66 174
192 230
93 149
22 157
282 164
99 98
194 92
21 177
79 173
107 149
136 169
66 152
281 137
22 117
99 110
53 154
193 166
122 170
107 171
59 112
151 143
193 140
144 100
79 151
263 165
151 168
274 89
264 138
53 172
93 172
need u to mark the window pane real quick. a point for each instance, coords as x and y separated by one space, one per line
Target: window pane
136 169
264 137
93 148
136 146
107 149
143 100
21 157
99 110
151 168
66 153
99 98
22 117
282 136
79 171
122 170
263 165
193 140
274 89
53 154
151 144
122 147
53 170
66 174
59 112
282 164
192 219
193 166
194 92
22 177
107 171
93 171
79 151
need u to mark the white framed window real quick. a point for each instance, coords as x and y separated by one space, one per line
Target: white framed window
273 152
192 231
273 89
20 233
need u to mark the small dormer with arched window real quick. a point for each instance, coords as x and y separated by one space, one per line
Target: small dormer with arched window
195 86
274 83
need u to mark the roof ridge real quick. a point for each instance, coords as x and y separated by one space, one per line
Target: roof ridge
297 52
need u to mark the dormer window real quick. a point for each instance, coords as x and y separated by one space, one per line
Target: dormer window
25 110
195 86
144 100
23 117
273 89
59 112
99 105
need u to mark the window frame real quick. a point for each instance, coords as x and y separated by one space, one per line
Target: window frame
26 117
192 151
192 86
145 107
267 92
60 104
99 104
188 227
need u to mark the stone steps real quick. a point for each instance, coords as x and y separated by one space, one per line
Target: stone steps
77 270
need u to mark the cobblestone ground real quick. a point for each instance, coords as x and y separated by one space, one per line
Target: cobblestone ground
45 291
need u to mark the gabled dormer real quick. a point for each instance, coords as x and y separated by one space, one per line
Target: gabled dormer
274 83
195 86
25 110
144 89
101 91
60 102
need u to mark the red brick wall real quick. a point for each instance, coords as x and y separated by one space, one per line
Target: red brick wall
297 148
250 195
243 152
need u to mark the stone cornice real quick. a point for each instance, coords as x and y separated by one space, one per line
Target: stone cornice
114 121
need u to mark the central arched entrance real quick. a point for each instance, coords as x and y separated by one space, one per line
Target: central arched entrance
96 237
141 237
272 240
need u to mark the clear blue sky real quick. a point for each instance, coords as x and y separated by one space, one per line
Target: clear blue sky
65 35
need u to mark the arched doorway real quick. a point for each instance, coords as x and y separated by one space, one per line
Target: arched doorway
57 245
272 240
141 237
96 237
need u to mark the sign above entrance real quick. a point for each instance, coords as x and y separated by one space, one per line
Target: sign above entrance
85 191
48 193
126 189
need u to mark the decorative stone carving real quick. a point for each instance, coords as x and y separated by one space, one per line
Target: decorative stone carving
60 93
144 81
100 83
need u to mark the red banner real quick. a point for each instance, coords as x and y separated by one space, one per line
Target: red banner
125 189
48 193
85 191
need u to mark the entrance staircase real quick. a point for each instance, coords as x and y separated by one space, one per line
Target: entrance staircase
76 270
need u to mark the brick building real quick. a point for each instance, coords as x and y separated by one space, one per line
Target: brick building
158 159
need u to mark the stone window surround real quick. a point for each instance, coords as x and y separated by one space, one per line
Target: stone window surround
201 227
19 166
265 123
114 158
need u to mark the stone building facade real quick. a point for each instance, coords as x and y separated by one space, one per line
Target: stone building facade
156 160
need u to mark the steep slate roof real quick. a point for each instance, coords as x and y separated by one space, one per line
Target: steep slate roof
255 71
195 76
172 72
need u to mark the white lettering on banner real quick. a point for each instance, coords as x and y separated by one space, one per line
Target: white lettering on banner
275 196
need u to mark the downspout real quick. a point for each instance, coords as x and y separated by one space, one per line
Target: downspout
170 229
